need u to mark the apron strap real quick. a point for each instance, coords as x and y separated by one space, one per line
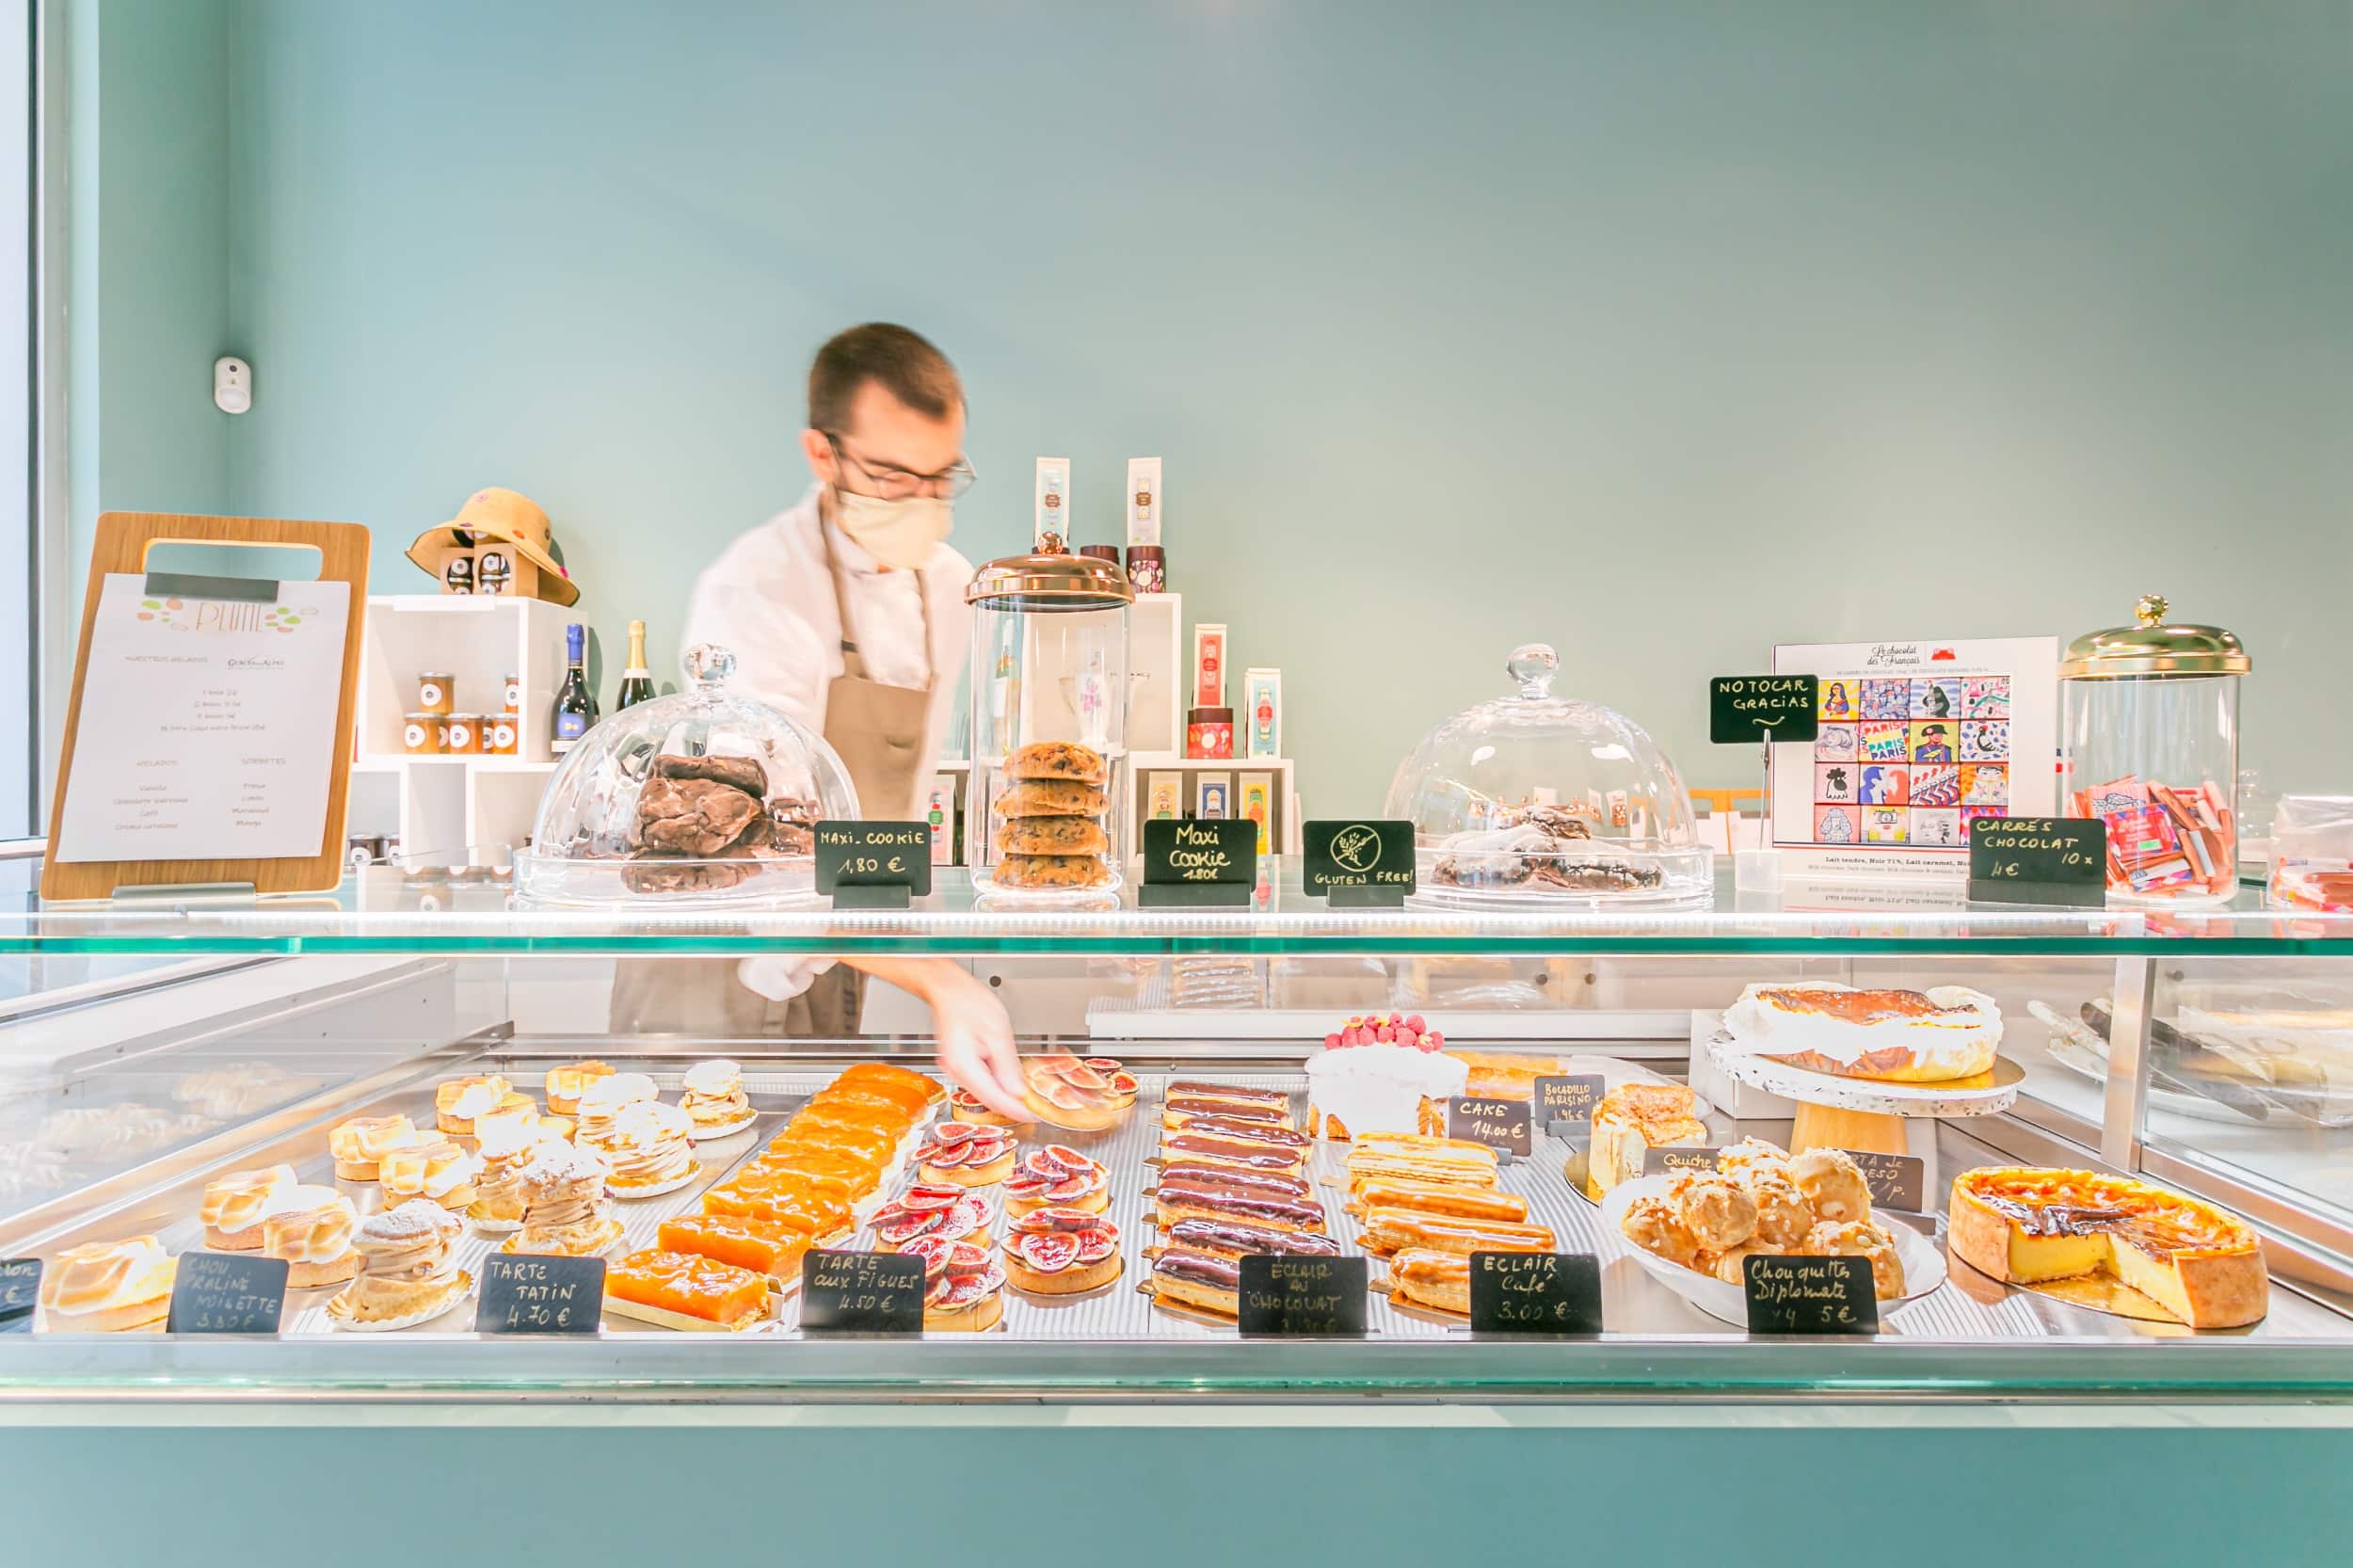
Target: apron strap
852 661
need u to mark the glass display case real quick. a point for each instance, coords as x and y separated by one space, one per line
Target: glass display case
701 797
2211 1055
1544 801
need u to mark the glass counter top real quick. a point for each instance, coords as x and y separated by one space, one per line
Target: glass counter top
383 910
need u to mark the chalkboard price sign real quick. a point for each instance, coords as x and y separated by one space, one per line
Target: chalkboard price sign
1359 862
1568 1098
533 1293
1199 862
1535 1292
1809 1295
20 1290
2038 860
1750 707
1302 1297
862 1293
219 1292
1662 1162
1897 1181
1504 1126
873 865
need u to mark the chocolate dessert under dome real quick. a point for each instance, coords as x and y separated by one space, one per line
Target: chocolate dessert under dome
700 797
1540 801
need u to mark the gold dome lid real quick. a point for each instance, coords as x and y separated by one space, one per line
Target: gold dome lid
2154 646
1049 583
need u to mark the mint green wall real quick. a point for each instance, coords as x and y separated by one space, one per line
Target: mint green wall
149 209
1661 332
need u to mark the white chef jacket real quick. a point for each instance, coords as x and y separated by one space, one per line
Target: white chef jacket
770 601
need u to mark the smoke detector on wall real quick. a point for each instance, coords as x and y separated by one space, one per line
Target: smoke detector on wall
232 384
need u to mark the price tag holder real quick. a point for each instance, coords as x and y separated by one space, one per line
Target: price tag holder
1750 707
1535 1292
1662 1162
2038 860
873 865
219 1292
1295 1298
1897 1181
861 1292
20 1292
1809 1295
528 1293
1197 863
1506 1127
1568 1098
1359 865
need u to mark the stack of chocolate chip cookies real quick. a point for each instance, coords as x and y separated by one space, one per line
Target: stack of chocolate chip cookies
1050 831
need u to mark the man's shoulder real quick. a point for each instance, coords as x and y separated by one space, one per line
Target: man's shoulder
773 542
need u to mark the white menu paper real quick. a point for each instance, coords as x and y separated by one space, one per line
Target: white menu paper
207 727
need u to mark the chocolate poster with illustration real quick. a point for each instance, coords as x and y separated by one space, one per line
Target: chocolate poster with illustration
1917 739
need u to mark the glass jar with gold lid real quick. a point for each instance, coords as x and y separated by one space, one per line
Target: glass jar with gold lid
1048 727
2148 747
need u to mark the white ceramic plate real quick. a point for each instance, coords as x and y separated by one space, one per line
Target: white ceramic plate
1924 1263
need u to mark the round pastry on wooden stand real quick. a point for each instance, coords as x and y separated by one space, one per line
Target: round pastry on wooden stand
1840 1113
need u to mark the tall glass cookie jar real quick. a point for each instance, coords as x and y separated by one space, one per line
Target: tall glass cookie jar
2148 746
1050 725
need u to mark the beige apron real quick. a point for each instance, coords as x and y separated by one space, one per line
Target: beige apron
878 733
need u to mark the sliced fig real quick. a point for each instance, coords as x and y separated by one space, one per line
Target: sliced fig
946 1156
1066 1096
968 1215
937 1289
933 1249
1025 1187
899 1232
1063 1159
1070 1189
959 1290
1049 1254
1079 1075
967 1258
1122 1082
993 1281
951 1133
1096 1244
926 1196
1103 1064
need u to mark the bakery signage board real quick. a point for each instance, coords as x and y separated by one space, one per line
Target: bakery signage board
1662 1162
1745 709
861 1292
1568 1098
209 732
873 865
2038 860
1288 1298
1192 863
1535 1292
1809 1295
1504 1125
20 1290
1897 1181
536 1293
1358 863
220 1292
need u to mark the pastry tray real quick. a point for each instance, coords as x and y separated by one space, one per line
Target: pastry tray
1631 1301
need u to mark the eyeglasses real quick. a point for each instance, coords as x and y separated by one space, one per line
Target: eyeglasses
886 482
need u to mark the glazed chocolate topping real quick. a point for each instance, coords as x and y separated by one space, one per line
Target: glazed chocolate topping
1233 1176
1249 1132
1220 1272
1231 1110
1258 1156
1227 1092
1227 1236
1234 1200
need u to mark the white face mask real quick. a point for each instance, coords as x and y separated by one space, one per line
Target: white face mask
900 533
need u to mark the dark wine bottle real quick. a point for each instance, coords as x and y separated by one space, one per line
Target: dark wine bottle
575 704
636 681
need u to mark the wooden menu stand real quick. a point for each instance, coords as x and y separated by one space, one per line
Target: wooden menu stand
124 541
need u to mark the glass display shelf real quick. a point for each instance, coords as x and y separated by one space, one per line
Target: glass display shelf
382 910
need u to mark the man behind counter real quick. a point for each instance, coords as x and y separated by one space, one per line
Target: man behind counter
847 613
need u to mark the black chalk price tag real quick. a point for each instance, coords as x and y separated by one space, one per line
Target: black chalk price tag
1292 1298
1897 1181
873 865
1749 708
1568 1098
1535 1292
1199 863
1662 1162
530 1293
2038 860
1359 862
20 1292
861 1292
1506 1127
1809 1295
221 1292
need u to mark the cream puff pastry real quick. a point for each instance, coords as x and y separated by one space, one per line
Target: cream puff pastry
565 1212
712 1096
407 1271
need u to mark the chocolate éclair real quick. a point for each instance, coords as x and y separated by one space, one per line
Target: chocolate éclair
1235 1239
1178 1200
1278 1099
1247 1131
1232 1151
1198 1279
1197 1172
1176 1112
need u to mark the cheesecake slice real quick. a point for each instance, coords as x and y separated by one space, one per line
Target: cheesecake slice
2028 1225
1634 1119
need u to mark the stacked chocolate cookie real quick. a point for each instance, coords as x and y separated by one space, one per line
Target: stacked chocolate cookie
1050 832
704 823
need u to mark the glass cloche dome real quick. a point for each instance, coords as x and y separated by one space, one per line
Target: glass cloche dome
1536 799
700 797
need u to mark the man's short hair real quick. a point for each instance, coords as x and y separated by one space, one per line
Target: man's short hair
904 362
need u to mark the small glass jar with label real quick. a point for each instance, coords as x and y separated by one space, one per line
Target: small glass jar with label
437 692
514 684
1210 733
422 734
503 734
465 734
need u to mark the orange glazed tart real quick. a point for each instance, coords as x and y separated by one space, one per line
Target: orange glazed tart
2029 1224
858 1177
870 1074
769 1247
877 1147
687 1291
819 1217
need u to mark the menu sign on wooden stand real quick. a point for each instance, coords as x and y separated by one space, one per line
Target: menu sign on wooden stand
208 740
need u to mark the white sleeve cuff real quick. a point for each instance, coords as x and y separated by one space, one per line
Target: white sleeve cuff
780 979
